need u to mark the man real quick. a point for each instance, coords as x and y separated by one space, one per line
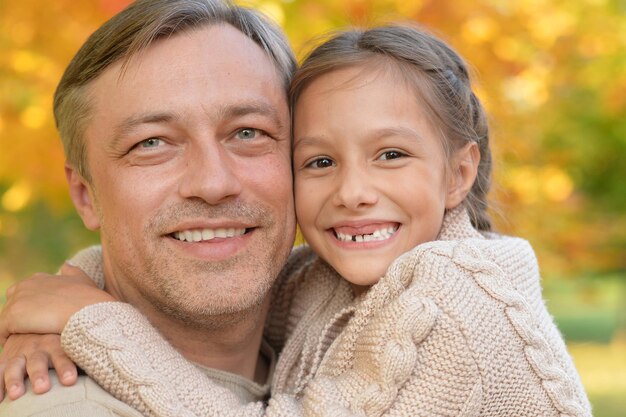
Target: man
175 124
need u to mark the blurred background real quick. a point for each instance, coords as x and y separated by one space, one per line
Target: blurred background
552 74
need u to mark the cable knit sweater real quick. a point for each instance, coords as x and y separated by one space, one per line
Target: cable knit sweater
457 327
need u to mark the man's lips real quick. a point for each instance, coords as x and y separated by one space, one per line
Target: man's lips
199 235
207 234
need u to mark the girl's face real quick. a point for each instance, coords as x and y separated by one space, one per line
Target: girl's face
370 179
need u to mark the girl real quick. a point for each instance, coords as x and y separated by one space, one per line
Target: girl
392 165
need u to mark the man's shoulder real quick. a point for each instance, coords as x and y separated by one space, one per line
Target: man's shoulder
85 398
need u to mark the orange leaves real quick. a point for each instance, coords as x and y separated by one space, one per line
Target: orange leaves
551 74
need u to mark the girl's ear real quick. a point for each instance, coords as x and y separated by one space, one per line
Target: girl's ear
464 170
81 195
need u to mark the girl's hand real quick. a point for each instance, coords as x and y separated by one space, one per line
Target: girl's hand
32 355
44 303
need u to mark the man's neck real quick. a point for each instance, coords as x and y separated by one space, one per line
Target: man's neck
233 347
229 343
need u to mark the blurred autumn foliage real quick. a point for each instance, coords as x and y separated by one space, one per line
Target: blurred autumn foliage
552 74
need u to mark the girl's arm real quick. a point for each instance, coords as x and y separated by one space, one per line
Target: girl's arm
37 353
33 332
117 346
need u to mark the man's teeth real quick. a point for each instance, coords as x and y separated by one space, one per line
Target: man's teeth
381 234
199 235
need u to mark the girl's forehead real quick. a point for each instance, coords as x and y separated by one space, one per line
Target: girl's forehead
355 77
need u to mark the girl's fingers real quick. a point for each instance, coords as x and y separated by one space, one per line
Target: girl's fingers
37 364
65 368
14 374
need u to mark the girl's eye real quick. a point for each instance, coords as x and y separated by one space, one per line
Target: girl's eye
322 162
391 155
150 143
247 133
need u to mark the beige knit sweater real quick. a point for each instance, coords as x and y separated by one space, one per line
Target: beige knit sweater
457 327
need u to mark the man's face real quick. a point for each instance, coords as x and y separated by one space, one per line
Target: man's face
188 148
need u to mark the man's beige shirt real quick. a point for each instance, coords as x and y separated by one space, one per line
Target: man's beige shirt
87 399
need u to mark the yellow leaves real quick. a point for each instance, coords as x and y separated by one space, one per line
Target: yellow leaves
536 60
546 27
525 183
557 186
482 95
602 367
274 10
24 61
479 29
30 65
6 280
508 48
530 184
408 7
529 89
17 197
21 33
8 227
34 117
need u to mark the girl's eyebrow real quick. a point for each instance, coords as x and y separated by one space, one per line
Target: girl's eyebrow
307 141
397 131
376 134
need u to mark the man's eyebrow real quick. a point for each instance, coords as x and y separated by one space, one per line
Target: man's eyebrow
131 123
254 107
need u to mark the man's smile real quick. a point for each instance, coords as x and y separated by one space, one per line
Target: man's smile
199 235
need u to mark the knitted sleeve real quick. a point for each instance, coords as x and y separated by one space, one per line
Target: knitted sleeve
120 350
90 261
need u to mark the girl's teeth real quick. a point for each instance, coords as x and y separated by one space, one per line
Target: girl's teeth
381 234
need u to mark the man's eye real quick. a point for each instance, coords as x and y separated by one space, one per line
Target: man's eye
322 162
150 143
247 133
391 155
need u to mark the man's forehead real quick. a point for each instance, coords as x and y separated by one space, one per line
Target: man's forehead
219 46
201 68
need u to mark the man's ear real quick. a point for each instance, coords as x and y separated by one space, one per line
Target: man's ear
81 195
463 173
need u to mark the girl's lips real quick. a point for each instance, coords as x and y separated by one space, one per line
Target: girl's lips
375 236
363 228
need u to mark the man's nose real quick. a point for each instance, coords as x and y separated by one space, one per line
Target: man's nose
211 174
355 189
